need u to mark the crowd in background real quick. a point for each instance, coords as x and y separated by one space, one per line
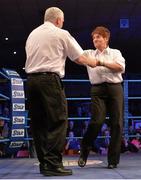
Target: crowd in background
76 130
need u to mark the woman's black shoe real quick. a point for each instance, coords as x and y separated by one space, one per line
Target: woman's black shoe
83 157
82 161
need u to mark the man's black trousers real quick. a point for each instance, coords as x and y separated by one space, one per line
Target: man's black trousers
48 112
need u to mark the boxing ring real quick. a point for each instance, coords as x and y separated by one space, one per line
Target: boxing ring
18 122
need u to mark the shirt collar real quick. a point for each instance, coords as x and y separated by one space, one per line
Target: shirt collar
105 51
49 23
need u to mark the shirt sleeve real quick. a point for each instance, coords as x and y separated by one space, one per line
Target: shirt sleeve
118 58
72 48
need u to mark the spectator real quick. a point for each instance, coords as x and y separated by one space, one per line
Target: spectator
73 127
23 152
101 144
5 131
84 127
6 112
1 127
135 144
72 145
124 144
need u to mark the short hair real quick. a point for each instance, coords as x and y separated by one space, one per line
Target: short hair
52 13
101 30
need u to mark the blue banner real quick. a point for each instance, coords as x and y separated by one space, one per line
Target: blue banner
18 113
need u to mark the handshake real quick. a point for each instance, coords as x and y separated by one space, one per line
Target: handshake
97 62
90 61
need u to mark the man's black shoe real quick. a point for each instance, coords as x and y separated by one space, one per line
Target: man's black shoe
112 166
83 157
56 171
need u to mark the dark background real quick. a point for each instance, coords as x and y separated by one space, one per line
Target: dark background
19 17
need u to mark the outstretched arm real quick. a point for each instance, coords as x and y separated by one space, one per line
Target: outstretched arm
89 61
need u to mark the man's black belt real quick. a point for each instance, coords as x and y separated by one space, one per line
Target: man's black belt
42 73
